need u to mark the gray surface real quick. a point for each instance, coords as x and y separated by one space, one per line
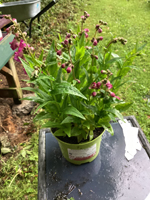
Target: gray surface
21 10
109 177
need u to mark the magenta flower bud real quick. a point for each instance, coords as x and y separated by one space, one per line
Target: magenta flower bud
59 52
86 30
68 69
118 97
97 27
96 57
109 85
74 36
7 30
66 42
88 15
14 20
83 17
68 35
103 72
94 94
95 42
94 85
78 80
63 65
100 38
98 84
112 94
86 35
100 30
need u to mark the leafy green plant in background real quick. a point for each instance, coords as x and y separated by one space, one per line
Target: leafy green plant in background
74 86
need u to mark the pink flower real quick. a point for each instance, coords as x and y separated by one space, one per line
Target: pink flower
14 44
96 57
63 65
68 69
109 85
32 48
100 38
112 94
88 15
59 52
22 45
24 71
86 35
17 55
95 42
118 97
66 42
86 30
98 84
94 94
100 30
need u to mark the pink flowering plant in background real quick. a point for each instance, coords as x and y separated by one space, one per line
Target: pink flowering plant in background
76 86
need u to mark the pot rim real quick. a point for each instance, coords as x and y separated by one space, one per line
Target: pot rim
83 143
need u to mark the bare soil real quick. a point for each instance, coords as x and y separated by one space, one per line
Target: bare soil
14 129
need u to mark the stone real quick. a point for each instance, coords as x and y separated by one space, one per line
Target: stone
25 107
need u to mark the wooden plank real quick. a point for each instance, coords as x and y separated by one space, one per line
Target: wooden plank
6 71
5 51
10 93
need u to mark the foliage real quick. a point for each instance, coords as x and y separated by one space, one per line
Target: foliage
74 85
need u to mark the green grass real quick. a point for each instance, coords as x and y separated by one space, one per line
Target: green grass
128 19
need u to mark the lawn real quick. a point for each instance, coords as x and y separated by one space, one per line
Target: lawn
128 19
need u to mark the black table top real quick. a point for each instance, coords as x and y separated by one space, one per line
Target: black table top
109 177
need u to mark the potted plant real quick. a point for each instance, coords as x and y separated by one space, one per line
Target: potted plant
76 87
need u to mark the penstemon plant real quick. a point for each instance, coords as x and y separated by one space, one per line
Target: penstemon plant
74 85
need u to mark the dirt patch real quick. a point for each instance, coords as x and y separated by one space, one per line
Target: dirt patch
14 129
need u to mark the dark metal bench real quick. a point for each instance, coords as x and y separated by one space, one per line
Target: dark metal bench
109 176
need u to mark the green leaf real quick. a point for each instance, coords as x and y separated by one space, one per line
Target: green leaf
123 106
27 67
50 124
70 119
44 77
59 132
23 152
51 58
81 41
41 56
116 113
67 129
76 131
70 110
66 88
42 115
